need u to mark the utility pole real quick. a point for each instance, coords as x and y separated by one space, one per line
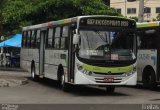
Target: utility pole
141 11
125 8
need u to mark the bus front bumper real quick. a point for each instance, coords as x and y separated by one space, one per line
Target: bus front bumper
83 79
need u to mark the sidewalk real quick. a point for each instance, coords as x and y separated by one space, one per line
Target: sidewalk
11 77
11 69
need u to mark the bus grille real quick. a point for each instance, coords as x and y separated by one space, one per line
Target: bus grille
115 80
109 73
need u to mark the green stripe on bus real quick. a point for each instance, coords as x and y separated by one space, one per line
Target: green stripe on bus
148 25
107 69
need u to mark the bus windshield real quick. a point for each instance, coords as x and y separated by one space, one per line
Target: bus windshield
106 45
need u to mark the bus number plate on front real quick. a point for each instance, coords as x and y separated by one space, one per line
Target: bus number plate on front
108 79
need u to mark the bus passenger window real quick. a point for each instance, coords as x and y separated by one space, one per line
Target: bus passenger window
38 39
33 39
49 38
24 39
29 39
57 38
64 38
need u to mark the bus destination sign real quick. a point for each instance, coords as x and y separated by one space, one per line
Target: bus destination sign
107 22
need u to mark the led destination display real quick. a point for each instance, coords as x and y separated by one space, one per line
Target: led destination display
107 22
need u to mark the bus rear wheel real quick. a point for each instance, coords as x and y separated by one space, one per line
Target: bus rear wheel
110 89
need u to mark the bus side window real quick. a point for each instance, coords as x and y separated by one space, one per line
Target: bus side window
146 40
29 39
57 38
32 39
49 39
141 42
64 38
38 39
150 40
157 34
24 39
35 38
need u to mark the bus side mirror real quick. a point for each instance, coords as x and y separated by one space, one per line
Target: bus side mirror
76 38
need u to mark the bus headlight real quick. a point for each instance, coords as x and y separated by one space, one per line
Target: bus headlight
131 72
81 69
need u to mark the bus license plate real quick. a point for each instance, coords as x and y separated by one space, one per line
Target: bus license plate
108 79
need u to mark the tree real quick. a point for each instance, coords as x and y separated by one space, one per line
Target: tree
19 13
1 17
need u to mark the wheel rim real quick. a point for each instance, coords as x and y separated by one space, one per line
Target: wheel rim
33 74
62 80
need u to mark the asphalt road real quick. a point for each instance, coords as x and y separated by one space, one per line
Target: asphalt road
49 92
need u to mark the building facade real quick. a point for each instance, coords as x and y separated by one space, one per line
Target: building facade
131 9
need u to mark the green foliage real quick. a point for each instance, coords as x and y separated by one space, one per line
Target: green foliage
135 18
19 13
158 17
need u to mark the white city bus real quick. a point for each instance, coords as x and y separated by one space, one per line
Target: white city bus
84 50
148 56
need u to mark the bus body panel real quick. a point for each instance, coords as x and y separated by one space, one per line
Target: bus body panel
88 76
48 60
54 58
83 79
27 56
148 37
146 58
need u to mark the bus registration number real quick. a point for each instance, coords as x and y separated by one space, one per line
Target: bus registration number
108 79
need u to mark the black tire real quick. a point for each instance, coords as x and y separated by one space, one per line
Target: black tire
110 89
145 79
152 83
61 79
149 80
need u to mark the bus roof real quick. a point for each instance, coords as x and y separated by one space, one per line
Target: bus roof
148 24
65 21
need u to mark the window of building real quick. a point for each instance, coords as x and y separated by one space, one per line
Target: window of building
158 10
118 10
147 10
131 10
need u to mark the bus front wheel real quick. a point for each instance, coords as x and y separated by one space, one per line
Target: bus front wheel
61 79
64 85
110 89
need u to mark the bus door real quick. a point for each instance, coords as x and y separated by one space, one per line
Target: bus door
71 58
42 52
